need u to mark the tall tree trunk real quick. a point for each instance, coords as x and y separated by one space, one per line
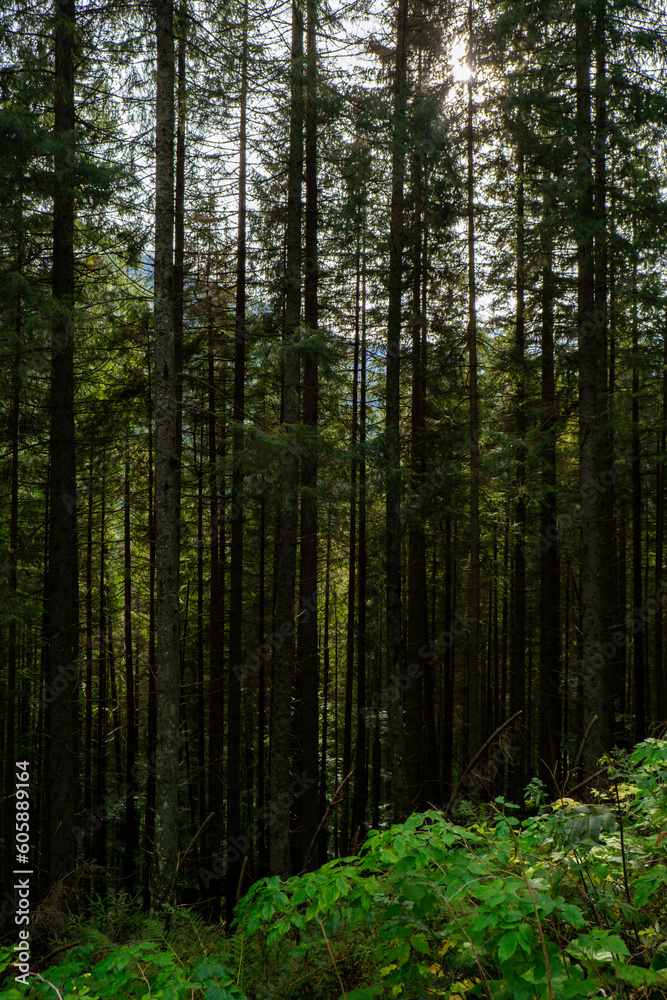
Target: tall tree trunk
216 685
113 690
401 801
617 679
417 631
324 751
200 741
351 623
361 769
167 472
63 598
100 836
593 670
638 638
151 713
88 714
261 685
448 668
549 713
306 713
179 218
604 379
234 779
518 643
131 818
283 669
308 603
660 700
474 740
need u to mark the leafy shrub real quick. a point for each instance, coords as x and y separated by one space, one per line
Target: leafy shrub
567 904
563 904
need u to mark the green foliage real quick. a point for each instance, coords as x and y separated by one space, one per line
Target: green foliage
563 904
139 970
559 906
184 961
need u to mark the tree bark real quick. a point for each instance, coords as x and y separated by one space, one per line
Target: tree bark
417 631
518 642
283 669
216 685
638 663
360 799
351 577
167 473
308 600
131 818
151 708
550 702
63 598
234 780
400 795
474 734
593 670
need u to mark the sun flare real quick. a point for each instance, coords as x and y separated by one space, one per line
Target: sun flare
460 68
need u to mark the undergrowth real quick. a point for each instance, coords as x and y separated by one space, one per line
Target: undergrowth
567 904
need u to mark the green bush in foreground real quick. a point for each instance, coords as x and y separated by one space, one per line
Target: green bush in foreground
569 903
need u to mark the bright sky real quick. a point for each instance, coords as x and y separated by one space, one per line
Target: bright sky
460 69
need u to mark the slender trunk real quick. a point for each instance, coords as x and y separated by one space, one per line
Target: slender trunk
167 472
638 627
179 217
113 690
474 740
518 643
308 604
659 544
88 739
361 769
234 777
549 713
63 598
151 720
213 843
417 631
261 684
131 818
604 384
593 558
100 836
400 795
283 669
448 669
351 624
324 753
199 689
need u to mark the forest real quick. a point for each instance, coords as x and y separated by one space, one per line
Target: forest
334 422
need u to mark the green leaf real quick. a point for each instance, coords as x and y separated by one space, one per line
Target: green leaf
638 976
647 885
507 945
419 943
571 914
